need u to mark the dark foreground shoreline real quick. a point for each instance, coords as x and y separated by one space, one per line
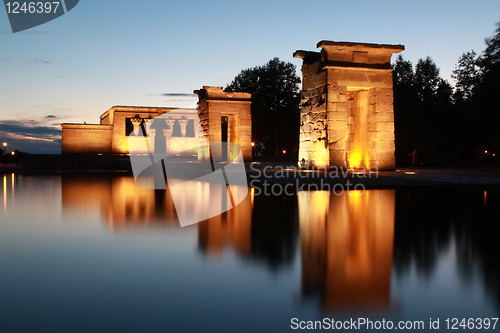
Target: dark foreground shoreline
266 174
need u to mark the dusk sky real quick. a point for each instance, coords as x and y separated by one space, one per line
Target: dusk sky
155 53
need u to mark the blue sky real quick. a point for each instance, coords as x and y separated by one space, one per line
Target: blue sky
155 53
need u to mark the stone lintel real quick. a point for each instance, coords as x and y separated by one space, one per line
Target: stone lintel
347 54
87 126
140 109
217 93
361 45
307 56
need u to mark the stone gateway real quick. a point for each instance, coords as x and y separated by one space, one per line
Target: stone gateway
347 116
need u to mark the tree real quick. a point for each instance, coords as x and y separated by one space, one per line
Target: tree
491 55
275 103
405 111
422 113
448 125
426 79
467 74
487 98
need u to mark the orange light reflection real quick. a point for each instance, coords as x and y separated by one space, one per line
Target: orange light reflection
347 248
231 229
5 194
12 188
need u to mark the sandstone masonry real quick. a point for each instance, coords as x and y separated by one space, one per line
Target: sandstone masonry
347 117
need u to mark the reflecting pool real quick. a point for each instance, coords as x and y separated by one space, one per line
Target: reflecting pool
98 254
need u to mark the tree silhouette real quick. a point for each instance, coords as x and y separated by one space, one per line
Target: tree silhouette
490 59
438 124
275 103
427 80
423 108
487 98
405 111
467 74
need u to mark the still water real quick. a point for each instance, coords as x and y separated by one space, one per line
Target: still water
99 254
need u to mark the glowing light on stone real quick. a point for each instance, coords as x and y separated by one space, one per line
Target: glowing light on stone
320 158
354 160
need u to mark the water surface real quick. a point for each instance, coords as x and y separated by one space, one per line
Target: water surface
99 254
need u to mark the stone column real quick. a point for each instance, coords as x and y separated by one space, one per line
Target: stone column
183 123
148 129
168 133
136 122
151 138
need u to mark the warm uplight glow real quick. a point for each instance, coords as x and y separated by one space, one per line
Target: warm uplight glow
320 157
12 153
253 144
354 160
284 151
486 152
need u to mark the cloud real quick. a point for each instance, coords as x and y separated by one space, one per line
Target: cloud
175 95
31 137
177 100
50 116
34 146
41 61
16 127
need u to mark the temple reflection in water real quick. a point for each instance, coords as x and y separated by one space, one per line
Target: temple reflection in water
231 229
122 204
346 242
347 247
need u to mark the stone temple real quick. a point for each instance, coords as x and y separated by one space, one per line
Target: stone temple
347 116
224 117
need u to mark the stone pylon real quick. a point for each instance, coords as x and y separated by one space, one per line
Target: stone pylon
347 116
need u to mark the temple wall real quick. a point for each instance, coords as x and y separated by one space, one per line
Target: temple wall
89 139
110 137
119 114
